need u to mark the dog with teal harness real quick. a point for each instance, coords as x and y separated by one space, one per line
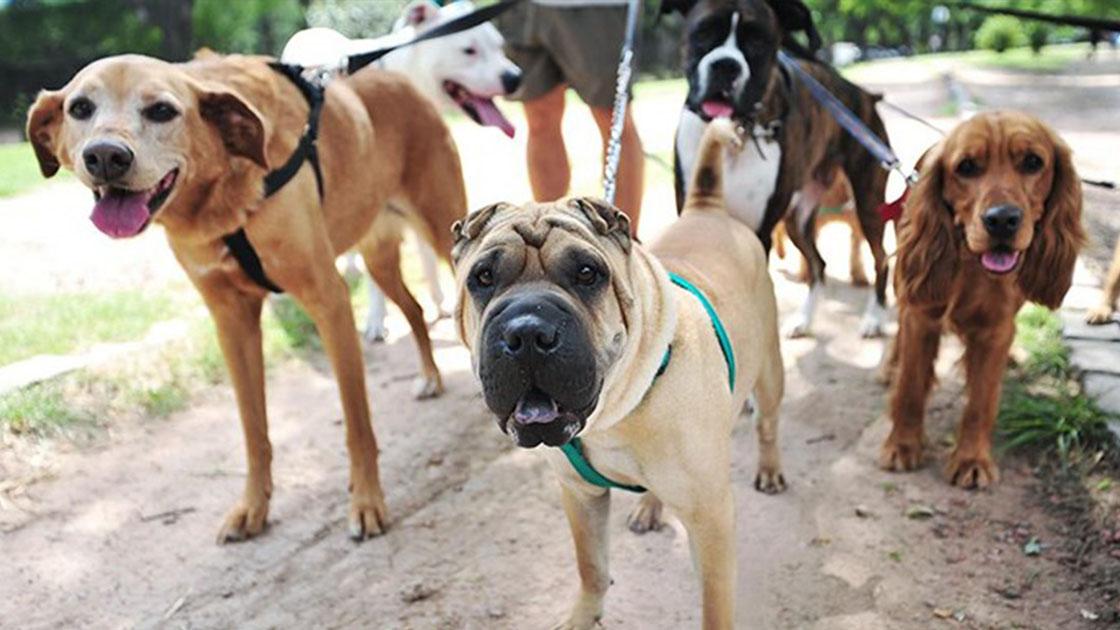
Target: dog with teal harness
631 362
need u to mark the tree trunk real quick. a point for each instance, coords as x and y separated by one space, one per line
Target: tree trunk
174 20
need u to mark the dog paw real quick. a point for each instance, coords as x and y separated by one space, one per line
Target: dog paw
796 327
584 615
245 520
368 516
646 516
859 279
971 472
871 326
1099 315
900 456
374 334
427 387
770 481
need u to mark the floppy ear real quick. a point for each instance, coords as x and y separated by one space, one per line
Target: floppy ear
238 123
794 16
43 120
468 229
419 12
1047 271
676 6
607 220
928 243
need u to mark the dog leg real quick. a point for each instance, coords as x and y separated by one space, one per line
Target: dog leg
801 226
587 516
328 304
868 185
237 317
375 318
431 275
646 516
768 393
383 260
1102 314
711 534
985 359
919 337
855 254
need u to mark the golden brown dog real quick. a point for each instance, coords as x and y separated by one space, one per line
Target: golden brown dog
994 221
577 333
188 146
836 206
1102 313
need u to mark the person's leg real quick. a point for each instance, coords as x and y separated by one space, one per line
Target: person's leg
550 174
631 165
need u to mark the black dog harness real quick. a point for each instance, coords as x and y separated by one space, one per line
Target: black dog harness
306 151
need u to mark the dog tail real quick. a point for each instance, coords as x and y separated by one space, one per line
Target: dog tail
707 177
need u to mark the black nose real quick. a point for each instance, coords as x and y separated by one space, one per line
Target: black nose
511 80
529 335
1003 221
725 69
107 160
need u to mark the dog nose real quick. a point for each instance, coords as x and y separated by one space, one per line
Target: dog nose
726 69
1003 221
511 80
529 335
107 160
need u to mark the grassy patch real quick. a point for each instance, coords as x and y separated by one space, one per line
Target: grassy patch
19 171
1042 407
65 322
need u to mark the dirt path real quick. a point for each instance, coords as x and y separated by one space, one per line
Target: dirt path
478 539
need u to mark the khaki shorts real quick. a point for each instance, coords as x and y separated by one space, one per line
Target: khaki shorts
579 46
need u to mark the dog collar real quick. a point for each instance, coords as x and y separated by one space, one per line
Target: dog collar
306 151
573 450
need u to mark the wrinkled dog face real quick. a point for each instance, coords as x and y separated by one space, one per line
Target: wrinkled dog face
543 303
126 127
998 173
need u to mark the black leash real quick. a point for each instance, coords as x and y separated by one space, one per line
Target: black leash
306 151
456 25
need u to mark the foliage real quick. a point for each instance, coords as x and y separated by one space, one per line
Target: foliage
247 26
355 18
1038 34
1000 32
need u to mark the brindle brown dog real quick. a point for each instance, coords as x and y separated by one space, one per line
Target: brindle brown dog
188 146
578 333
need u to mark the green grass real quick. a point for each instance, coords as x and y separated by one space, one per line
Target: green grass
65 322
19 171
39 409
1052 59
1042 407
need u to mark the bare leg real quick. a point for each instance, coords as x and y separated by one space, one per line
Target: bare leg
630 180
550 174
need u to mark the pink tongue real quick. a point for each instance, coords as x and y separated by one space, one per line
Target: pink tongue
490 116
999 262
121 215
717 109
536 408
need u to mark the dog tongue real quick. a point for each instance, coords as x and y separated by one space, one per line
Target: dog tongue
717 109
999 262
121 215
489 115
535 408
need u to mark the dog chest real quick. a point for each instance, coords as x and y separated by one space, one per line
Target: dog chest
749 177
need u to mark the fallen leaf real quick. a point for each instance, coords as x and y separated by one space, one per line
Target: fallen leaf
942 613
895 555
863 512
1033 547
1090 615
1104 484
919 512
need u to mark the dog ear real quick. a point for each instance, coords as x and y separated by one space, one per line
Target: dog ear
468 229
43 120
607 220
242 129
794 17
676 6
419 12
1048 263
928 247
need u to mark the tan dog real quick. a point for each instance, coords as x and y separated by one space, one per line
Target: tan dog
1102 313
188 146
575 329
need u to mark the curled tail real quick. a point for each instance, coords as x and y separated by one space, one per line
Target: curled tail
706 187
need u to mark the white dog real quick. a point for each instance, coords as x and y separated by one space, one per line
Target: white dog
465 70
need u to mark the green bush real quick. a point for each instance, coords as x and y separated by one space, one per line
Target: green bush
999 33
1038 35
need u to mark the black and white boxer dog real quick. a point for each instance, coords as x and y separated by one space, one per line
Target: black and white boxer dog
730 57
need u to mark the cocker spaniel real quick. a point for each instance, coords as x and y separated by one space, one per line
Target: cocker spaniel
994 221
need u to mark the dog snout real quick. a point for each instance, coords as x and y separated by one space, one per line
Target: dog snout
530 334
1003 221
107 160
511 80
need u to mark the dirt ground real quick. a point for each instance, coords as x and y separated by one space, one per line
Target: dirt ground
120 532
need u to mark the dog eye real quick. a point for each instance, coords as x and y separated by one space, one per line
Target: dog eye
968 167
81 109
484 278
160 112
1032 163
587 275
470 51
